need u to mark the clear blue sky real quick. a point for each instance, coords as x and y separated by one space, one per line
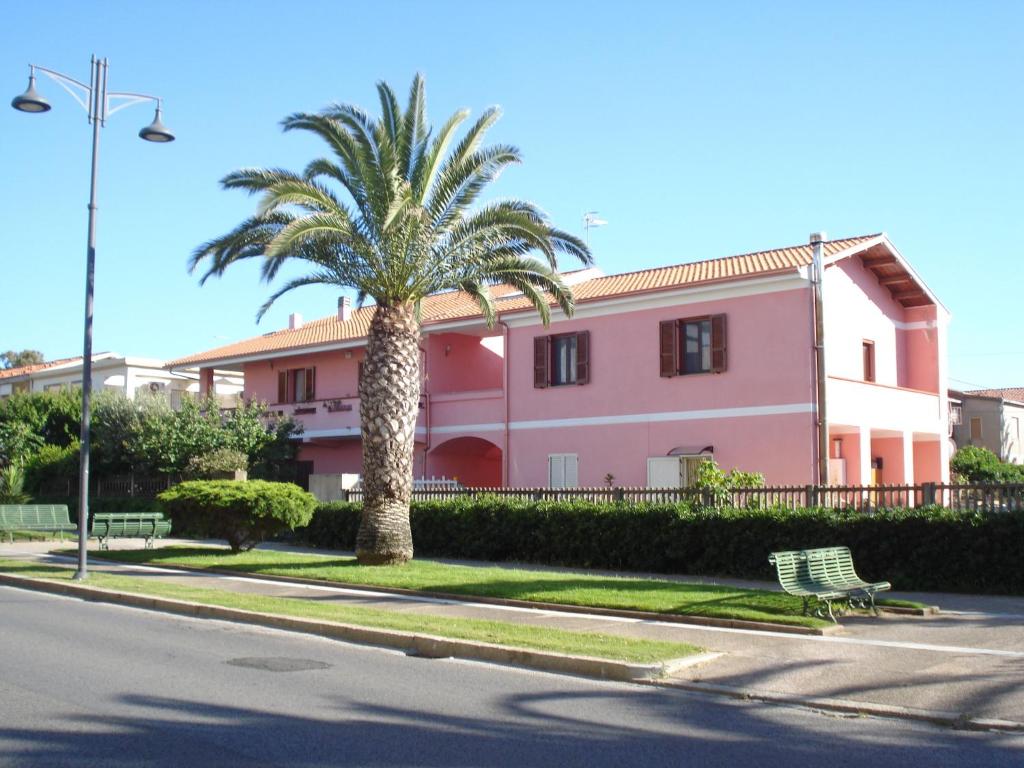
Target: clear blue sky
696 129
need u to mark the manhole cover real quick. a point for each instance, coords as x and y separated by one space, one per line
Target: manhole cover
278 664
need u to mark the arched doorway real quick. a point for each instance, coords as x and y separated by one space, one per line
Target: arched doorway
473 461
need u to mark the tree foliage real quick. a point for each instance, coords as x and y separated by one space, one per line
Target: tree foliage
411 227
13 359
144 435
980 465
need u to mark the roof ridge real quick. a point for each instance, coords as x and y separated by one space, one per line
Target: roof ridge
858 238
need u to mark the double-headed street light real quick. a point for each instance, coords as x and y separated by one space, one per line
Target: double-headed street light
99 104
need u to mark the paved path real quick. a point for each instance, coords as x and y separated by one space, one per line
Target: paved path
99 686
969 662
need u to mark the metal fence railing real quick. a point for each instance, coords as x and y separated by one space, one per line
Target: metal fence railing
958 497
984 498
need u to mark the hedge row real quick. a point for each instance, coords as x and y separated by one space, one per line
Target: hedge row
928 549
99 504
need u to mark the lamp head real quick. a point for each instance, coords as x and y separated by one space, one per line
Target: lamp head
30 100
156 131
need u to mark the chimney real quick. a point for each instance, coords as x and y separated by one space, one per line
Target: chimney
344 308
294 321
818 237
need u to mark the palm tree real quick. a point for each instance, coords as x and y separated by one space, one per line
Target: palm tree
410 229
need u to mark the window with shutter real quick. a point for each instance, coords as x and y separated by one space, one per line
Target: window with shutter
583 357
297 385
561 359
692 345
310 392
718 356
541 353
563 470
669 347
869 360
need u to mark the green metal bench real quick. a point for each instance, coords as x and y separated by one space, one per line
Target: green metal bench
824 575
44 518
129 525
834 566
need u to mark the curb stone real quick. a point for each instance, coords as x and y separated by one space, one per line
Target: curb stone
955 720
414 643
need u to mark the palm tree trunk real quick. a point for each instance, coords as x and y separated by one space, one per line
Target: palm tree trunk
389 393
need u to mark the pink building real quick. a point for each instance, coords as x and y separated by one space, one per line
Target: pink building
656 369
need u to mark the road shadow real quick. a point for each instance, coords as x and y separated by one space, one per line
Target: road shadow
657 728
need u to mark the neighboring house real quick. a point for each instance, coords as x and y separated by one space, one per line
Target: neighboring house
656 370
110 371
993 419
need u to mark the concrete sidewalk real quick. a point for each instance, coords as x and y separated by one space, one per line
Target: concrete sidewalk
967 662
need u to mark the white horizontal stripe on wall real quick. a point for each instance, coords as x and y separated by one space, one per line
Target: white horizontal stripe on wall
598 421
631 418
646 418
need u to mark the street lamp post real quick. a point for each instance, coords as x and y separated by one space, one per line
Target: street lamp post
99 104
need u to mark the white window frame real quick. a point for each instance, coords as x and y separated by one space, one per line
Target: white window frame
563 462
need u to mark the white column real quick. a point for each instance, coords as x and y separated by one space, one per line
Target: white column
865 455
941 340
908 464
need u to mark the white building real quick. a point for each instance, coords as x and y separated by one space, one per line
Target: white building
128 375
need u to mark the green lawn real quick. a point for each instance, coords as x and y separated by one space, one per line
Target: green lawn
500 633
655 595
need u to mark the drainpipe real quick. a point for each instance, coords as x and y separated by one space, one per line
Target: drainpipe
504 392
426 405
817 281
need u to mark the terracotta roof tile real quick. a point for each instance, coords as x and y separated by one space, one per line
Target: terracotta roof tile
1007 393
454 305
10 373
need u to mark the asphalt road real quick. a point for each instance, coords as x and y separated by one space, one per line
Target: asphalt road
96 685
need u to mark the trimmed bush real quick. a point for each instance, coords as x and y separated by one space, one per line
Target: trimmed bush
218 464
928 549
243 512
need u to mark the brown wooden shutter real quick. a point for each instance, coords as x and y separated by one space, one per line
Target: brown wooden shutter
718 356
541 360
282 387
310 384
668 341
583 357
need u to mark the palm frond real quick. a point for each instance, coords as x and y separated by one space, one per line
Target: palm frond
414 225
309 195
320 278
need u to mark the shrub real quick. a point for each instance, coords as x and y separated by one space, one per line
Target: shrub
243 512
223 461
12 485
930 549
53 465
979 465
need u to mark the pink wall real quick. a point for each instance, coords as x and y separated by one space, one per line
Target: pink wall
928 462
778 446
850 453
769 356
890 450
342 456
337 376
922 349
458 362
